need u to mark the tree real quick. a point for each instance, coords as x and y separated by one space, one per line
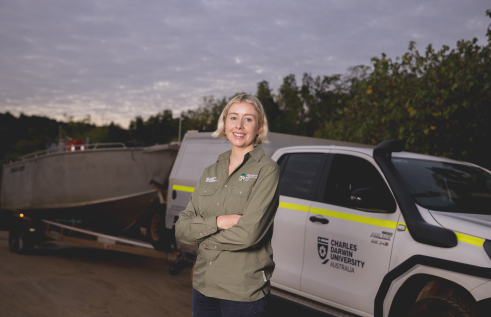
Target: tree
437 102
292 120
273 112
322 97
158 129
205 118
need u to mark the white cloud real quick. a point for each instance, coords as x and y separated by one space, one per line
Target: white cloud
118 59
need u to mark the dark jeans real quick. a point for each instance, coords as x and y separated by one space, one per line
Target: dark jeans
212 307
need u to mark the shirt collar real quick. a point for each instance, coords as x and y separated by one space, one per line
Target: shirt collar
256 154
224 156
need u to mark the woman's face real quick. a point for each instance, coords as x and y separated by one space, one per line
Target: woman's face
242 125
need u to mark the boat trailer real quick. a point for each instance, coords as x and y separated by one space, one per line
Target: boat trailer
27 232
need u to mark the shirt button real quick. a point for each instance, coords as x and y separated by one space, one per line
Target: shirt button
215 247
212 230
225 186
210 263
218 204
204 245
204 191
201 234
240 192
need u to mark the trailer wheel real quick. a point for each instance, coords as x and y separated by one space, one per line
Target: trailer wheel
160 237
14 240
21 241
26 242
443 307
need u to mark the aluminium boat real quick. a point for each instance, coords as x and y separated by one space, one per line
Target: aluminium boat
104 187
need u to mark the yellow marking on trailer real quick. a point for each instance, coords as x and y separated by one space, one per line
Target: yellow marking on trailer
183 188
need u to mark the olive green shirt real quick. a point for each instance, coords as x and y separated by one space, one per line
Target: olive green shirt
236 263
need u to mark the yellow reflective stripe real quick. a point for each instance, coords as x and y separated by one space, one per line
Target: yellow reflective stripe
183 188
362 219
469 239
294 206
371 221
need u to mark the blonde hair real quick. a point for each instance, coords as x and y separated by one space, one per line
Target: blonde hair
252 100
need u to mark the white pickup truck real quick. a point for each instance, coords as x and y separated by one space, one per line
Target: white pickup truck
379 232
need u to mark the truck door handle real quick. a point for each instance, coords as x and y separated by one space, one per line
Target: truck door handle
319 219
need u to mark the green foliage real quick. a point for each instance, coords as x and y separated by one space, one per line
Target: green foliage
205 118
292 108
158 129
301 110
271 108
438 102
25 134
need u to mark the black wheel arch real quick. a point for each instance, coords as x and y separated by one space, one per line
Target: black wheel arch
401 269
415 286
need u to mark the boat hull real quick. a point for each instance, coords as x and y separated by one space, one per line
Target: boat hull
106 189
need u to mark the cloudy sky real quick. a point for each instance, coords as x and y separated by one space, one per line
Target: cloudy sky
114 60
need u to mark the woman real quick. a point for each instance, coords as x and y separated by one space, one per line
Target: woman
230 217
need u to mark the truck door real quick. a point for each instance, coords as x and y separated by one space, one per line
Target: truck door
299 174
347 250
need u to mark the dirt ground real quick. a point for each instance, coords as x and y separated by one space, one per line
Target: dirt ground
68 281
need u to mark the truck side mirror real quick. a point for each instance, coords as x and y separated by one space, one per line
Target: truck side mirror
373 200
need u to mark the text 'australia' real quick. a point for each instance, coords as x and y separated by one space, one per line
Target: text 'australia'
343 253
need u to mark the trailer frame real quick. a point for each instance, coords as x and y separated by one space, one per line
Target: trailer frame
25 232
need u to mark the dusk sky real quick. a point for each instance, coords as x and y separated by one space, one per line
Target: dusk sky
114 60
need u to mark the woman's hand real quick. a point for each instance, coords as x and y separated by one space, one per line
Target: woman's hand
227 221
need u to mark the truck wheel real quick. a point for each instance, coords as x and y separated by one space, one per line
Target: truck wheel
160 237
443 307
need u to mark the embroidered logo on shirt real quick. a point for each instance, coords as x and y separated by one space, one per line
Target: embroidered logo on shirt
249 176
211 179
246 177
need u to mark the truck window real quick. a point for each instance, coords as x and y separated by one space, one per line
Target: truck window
445 186
282 162
299 173
348 173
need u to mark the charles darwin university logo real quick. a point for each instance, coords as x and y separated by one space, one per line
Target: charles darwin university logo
323 248
242 177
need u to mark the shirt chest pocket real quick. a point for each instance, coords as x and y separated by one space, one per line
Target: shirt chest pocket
205 197
238 200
